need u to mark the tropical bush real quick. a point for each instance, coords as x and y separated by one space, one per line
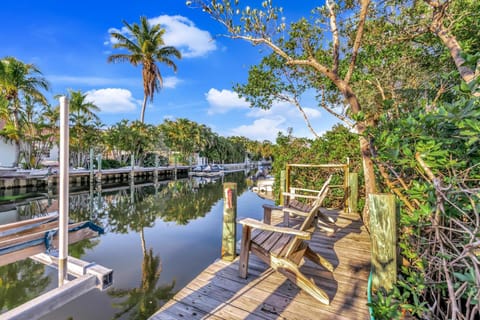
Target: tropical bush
437 154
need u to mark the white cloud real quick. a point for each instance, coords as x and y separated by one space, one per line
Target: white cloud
171 82
181 33
285 108
261 129
224 101
112 100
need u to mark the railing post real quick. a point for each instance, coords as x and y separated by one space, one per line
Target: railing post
352 192
229 221
383 228
282 187
287 178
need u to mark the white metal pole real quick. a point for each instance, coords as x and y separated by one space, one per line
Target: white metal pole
63 192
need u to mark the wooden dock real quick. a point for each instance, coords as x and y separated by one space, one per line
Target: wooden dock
219 293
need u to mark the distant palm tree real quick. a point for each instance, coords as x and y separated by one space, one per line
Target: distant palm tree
18 80
79 106
146 47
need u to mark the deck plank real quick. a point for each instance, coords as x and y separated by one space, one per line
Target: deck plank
219 293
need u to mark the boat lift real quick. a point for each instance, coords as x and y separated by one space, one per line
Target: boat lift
85 275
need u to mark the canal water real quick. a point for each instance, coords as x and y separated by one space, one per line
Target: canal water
157 239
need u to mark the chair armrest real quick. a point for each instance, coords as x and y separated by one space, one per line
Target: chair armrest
263 226
272 207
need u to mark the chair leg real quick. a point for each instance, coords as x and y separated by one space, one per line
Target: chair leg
244 251
286 218
318 259
293 273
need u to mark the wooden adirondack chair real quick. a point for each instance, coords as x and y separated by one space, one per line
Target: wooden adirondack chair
295 207
283 249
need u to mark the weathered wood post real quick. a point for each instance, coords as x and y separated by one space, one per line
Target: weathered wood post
175 168
383 234
92 175
229 221
352 192
132 168
155 171
282 187
99 173
50 186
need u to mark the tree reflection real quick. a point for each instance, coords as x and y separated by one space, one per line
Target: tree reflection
20 282
79 248
142 302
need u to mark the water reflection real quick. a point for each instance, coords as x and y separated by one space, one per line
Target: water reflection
148 227
140 303
20 282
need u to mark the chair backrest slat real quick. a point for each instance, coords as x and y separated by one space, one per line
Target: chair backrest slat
309 217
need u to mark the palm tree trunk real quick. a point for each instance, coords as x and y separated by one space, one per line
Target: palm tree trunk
144 245
16 125
17 153
144 106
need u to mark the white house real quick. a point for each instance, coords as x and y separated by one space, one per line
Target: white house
7 150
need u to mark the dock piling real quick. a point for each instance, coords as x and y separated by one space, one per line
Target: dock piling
229 221
352 192
383 228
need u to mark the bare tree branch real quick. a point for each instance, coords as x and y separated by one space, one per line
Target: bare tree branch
358 39
334 29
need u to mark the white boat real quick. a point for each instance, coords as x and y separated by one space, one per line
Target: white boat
207 171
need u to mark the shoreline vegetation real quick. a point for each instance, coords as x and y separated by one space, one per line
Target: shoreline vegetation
401 76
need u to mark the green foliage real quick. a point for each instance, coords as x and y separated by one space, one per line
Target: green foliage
385 306
109 164
437 154
189 137
149 160
335 146
131 138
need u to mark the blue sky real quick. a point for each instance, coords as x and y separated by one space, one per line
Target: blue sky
69 42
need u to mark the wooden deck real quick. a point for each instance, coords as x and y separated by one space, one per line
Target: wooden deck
219 293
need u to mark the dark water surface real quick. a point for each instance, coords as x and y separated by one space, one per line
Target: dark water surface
157 239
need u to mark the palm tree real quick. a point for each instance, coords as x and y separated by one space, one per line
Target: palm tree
18 80
146 47
84 126
79 106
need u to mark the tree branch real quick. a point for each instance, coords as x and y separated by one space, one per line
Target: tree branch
437 27
295 102
334 28
358 38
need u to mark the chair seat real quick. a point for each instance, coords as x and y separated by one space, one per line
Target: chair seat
272 242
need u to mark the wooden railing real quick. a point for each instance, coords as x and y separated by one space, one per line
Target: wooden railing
349 186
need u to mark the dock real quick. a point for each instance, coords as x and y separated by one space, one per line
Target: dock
219 293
